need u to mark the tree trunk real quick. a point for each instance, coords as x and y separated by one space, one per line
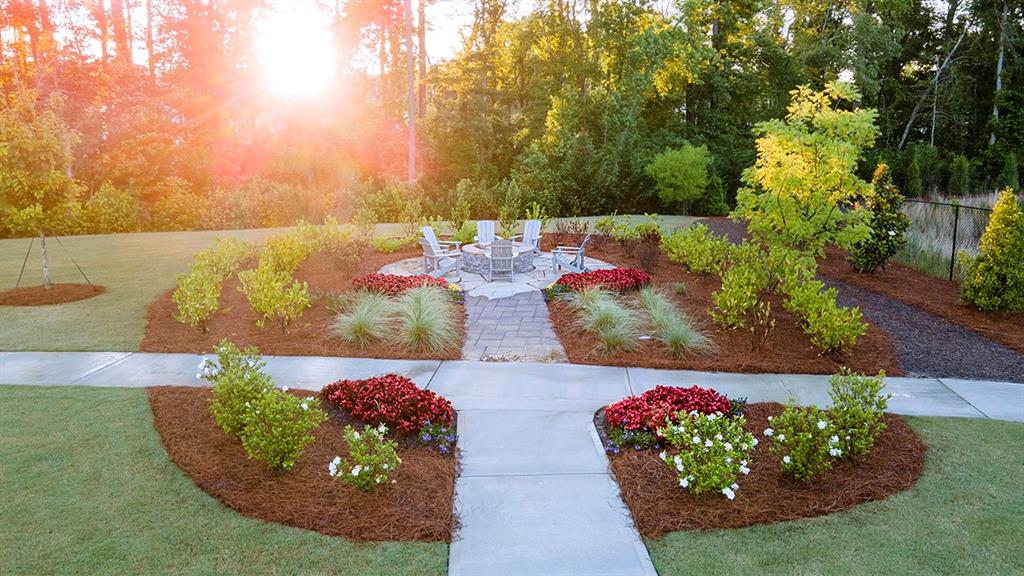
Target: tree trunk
46 261
149 40
410 76
101 23
422 55
924 96
999 75
122 53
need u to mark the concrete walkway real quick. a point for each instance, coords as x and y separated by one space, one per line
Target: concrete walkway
535 495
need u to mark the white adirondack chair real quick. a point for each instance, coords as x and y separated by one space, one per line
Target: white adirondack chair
485 231
438 245
437 264
502 260
531 235
570 257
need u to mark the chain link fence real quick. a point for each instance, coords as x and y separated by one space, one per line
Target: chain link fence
943 236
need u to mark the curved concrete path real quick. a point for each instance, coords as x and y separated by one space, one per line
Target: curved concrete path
535 495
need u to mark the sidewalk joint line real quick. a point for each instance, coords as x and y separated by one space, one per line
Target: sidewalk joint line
969 403
102 367
433 374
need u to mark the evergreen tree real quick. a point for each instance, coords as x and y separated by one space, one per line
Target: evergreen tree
959 176
888 225
996 280
1009 176
913 184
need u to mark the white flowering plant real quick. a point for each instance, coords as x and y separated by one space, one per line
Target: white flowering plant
805 440
711 452
238 383
279 426
858 405
372 458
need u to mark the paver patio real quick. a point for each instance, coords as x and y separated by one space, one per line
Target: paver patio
533 470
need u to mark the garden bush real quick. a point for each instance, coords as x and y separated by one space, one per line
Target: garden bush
829 326
697 248
805 441
279 427
742 284
995 281
368 318
225 257
344 246
197 297
711 451
392 400
286 252
663 405
616 279
857 409
394 284
274 294
671 325
888 225
390 245
178 207
372 458
110 211
424 319
680 175
238 382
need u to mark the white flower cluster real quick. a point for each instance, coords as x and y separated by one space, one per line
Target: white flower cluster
208 370
712 461
378 476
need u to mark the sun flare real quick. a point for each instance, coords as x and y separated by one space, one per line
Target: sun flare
295 50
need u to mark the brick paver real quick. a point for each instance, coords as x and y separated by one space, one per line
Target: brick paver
514 328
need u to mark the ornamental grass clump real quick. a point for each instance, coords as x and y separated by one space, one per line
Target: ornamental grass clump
858 406
672 327
372 458
602 313
711 451
425 320
238 382
279 427
367 319
805 441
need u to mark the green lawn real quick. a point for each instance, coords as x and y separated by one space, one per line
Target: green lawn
963 517
87 489
135 268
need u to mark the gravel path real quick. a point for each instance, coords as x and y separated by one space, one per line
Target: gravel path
928 345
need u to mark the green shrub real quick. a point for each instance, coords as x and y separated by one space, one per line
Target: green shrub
680 175
1009 174
913 176
996 280
345 246
390 245
462 209
711 451
742 284
368 318
888 225
713 203
697 248
372 458
805 441
286 252
466 234
197 297
274 295
857 408
829 326
178 207
238 382
279 427
110 210
959 176
224 258
425 320
671 325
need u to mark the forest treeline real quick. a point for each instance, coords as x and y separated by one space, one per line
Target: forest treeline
579 106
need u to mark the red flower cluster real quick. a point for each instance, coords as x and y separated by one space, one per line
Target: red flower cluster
392 284
618 279
650 410
392 400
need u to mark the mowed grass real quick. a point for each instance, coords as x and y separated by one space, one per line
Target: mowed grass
962 517
135 269
87 488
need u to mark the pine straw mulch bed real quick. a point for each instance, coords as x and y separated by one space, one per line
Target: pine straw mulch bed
659 506
57 294
308 336
936 295
788 350
417 507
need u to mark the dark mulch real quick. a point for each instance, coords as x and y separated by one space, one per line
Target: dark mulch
935 295
788 350
418 506
659 506
309 336
57 294
724 226
928 345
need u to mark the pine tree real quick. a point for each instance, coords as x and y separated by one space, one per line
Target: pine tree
996 280
913 184
959 176
888 225
1009 176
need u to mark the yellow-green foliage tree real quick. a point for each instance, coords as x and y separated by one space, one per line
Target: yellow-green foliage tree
996 280
37 191
803 190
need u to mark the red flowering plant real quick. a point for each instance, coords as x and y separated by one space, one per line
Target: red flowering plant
635 420
617 279
392 400
394 284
